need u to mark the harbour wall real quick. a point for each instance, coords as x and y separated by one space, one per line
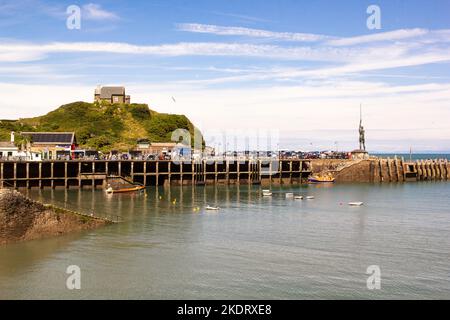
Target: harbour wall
96 174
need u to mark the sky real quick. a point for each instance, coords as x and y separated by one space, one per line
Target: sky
295 70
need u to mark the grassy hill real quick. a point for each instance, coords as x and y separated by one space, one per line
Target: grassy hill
103 127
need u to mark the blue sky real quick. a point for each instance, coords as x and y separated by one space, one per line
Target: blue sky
300 68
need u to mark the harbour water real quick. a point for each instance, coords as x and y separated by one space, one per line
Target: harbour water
254 247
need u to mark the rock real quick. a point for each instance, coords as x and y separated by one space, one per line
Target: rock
23 219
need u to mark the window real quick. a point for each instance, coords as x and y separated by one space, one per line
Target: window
115 99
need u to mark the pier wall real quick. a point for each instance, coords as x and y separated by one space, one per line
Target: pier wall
96 174
362 171
384 170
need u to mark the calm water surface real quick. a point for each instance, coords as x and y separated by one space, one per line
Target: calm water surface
254 247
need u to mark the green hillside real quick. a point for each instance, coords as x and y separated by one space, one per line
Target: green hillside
103 127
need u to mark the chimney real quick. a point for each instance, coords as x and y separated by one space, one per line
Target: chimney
12 137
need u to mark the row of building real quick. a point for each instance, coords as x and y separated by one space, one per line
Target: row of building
63 145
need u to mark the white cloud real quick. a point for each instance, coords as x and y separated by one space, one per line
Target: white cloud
381 36
93 11
202 49
424 35
257 33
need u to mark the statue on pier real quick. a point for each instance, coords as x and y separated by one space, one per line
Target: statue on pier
362 133
361 153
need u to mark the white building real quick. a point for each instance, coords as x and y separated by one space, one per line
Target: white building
8 149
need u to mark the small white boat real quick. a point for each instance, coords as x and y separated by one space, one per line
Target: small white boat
265 191
289 195
355 204
267 194
298 197
310 197
211 208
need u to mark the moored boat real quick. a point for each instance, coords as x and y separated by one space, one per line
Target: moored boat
321 178
124 190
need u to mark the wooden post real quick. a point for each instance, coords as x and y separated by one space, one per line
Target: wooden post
181 172
389 169
443 170
238 165
157 172
216 176
169 165
65 175
93 174
27 168
300 169
380 168
15 174
290 172
132 171
1 173
79 174
259 170
280 171
144 163
203 171
270 172
227 165
40 175
433 170
193 171
51 175
447 169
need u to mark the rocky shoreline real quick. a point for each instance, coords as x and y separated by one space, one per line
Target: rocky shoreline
23 219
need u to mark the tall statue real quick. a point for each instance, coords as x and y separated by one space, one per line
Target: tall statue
362 138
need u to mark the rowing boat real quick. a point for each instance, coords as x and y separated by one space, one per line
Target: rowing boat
124 190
